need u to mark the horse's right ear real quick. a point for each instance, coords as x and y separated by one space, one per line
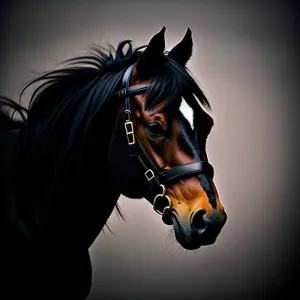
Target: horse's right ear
150 60
182 52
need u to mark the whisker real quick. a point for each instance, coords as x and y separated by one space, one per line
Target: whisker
170 239
107 226
178 248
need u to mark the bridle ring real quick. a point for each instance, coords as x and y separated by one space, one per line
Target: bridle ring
162 195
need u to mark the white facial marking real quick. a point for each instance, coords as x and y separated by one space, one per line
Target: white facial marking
187 112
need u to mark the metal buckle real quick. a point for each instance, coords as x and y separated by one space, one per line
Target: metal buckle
129 132
122 92
151 174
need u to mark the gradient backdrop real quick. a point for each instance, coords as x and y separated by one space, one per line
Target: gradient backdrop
246 60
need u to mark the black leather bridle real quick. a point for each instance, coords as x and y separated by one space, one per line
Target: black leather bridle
156 178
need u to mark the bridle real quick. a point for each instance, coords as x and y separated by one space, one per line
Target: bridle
157 179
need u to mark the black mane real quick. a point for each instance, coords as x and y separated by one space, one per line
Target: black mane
82 83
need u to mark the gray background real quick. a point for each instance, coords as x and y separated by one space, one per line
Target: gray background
245 60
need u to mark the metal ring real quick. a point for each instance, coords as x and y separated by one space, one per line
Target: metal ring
165 208
163 190
169 206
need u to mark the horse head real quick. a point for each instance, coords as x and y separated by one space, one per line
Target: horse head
158 149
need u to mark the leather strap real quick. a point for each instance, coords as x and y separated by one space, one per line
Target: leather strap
201 167
127 90
132 90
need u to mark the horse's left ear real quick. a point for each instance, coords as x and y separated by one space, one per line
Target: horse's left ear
182 52
151 58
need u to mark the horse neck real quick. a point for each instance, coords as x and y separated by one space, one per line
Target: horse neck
78 203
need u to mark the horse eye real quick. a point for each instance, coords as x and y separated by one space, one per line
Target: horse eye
155 130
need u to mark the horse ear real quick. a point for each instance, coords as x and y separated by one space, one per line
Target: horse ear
151 58
182 52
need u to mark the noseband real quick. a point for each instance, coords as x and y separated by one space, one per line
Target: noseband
157 179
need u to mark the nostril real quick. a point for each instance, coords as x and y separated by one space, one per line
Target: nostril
198 222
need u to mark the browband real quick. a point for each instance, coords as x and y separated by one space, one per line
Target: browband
132 90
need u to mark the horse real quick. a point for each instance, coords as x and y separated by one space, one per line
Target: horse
108 123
